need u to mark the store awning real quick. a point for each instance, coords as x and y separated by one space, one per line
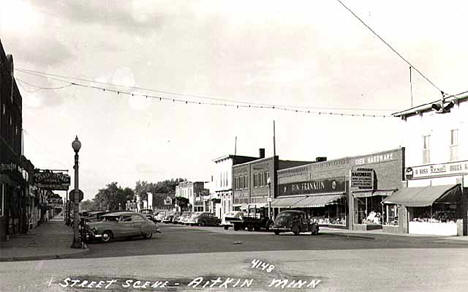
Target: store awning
286 202
318 201
421 196
257 205
373 194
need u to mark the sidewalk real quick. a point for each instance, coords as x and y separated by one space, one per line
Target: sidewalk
50 240
369 233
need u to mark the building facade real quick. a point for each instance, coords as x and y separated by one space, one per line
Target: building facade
346 192
196 194
221 191
13 177
255 183
435 198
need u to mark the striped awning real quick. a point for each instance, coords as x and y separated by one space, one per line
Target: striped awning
318 201
286 202
423 196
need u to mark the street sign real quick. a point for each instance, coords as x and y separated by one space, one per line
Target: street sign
76 196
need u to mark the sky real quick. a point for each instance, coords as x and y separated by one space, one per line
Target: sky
311 54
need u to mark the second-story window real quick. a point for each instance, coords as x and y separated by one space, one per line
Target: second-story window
426 149
454 145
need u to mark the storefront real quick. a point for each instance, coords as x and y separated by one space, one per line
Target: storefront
434 201
345 193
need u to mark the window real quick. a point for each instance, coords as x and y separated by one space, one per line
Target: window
137 218
454 145
426 149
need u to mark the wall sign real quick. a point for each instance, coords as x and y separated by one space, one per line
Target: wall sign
331 185
49 180
434 170
362 179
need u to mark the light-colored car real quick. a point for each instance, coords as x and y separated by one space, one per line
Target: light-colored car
184 217
228 217
160 216
121 224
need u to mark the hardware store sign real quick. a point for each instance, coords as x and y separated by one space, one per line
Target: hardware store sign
362 179
331 185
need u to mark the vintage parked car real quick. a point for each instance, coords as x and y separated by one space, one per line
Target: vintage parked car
184 217
121 224
93 216
168 218
243 220
203 219
160 216
294 221
148 213
230 216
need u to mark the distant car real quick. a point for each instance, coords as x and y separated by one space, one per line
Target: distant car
160 216
148 213
184 217
176 218
294 221
231 216
121 224
203 219
168 218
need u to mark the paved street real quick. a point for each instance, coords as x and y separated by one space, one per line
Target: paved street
187 239
192 257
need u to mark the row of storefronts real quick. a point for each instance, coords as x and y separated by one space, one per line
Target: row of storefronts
24 202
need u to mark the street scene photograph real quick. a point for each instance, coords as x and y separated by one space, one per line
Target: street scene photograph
219 145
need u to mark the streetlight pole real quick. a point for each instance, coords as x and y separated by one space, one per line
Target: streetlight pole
76 145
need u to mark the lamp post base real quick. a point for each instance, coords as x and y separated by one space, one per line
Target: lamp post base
79 244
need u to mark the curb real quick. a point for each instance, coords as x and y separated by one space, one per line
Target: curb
44 257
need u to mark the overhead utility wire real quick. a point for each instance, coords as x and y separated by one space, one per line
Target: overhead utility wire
393 49
225 104
43 88
69 79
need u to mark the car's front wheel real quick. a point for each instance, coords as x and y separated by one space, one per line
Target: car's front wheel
106 236
148 235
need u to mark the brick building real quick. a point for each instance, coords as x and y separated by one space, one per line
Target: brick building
13 176
346 192
254 182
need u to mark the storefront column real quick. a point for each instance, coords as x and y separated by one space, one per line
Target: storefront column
403 219
465 210
351 212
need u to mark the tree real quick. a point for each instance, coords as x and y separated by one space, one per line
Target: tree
113 197
88 205
182 202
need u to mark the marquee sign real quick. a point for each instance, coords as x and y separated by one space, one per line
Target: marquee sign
332 185
435 170
49 180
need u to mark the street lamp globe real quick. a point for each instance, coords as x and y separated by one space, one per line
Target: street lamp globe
76 144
